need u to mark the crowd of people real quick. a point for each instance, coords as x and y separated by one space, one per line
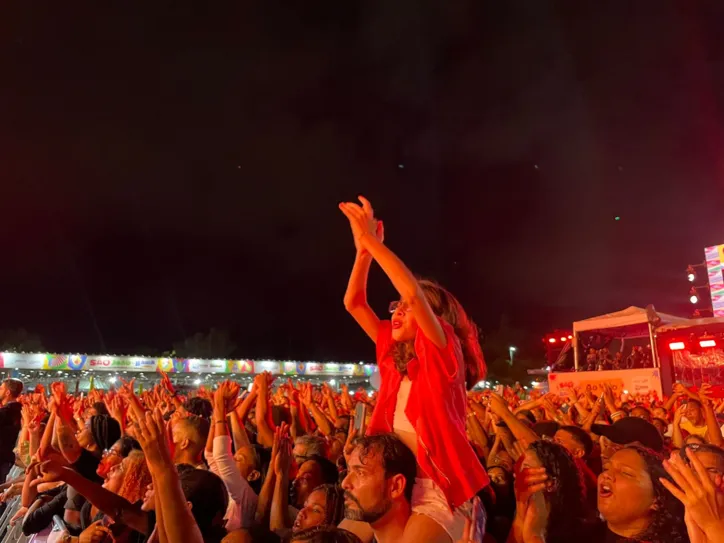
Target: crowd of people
425 459
602 359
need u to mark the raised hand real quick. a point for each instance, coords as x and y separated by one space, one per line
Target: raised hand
166 382
283 461
96 533
57 389
351 438
151 435
362 221
704 515
679 414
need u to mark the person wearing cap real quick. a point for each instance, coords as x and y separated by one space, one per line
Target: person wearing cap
627 431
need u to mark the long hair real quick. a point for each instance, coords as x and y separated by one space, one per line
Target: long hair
667 524
334 513
325 534
136 477
449 309
567 498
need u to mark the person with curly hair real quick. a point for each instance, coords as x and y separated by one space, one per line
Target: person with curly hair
550 496
429 355
324 507
324 534
634 503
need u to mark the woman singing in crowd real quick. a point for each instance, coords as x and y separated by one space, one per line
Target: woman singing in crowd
428 354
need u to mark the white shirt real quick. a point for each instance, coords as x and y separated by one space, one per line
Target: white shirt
400 422
242 499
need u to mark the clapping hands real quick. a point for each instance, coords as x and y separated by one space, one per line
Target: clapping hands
362 221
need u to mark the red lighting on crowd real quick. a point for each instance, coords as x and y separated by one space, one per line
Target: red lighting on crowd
677 346
707 343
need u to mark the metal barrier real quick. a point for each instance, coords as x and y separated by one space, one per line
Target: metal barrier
12 534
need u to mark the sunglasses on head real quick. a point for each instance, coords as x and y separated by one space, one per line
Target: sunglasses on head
402 306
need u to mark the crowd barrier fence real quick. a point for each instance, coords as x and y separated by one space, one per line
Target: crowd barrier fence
13 534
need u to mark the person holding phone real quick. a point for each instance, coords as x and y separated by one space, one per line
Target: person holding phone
427 354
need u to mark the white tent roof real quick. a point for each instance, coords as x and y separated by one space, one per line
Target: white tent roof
626 317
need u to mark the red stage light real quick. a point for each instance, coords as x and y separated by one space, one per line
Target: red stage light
570 337
707 343
552 340
677 346
563 339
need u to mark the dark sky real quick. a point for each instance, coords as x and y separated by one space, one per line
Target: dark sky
172 166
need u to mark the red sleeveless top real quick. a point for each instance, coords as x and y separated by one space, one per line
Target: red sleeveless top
436 407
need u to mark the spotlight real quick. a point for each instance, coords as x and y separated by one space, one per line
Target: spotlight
563 339
552 340
112 380
691 274
197 382
677 346
707 343
693 296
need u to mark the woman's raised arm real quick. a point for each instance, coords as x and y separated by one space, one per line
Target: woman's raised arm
364 227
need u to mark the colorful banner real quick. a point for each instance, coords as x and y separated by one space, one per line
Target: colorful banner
240 366
715 268
78 362
207 366
638 381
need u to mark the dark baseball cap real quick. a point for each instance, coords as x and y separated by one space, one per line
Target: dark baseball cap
631 430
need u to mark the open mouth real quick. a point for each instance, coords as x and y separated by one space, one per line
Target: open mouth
396 325
605 490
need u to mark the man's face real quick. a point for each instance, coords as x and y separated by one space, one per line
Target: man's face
4 393
299 453
641 413
366 491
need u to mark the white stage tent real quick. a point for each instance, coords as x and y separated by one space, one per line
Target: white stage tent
638 322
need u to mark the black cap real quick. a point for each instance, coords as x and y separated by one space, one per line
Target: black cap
546 428
631 430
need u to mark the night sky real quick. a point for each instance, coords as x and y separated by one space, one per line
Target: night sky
168 167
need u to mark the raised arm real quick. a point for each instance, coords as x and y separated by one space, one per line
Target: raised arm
69 446
265 431
117 508
364 226
178 522
279 521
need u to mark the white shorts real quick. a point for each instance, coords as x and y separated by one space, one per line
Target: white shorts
428 499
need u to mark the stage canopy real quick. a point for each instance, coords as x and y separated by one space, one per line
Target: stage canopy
633 322
630 317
